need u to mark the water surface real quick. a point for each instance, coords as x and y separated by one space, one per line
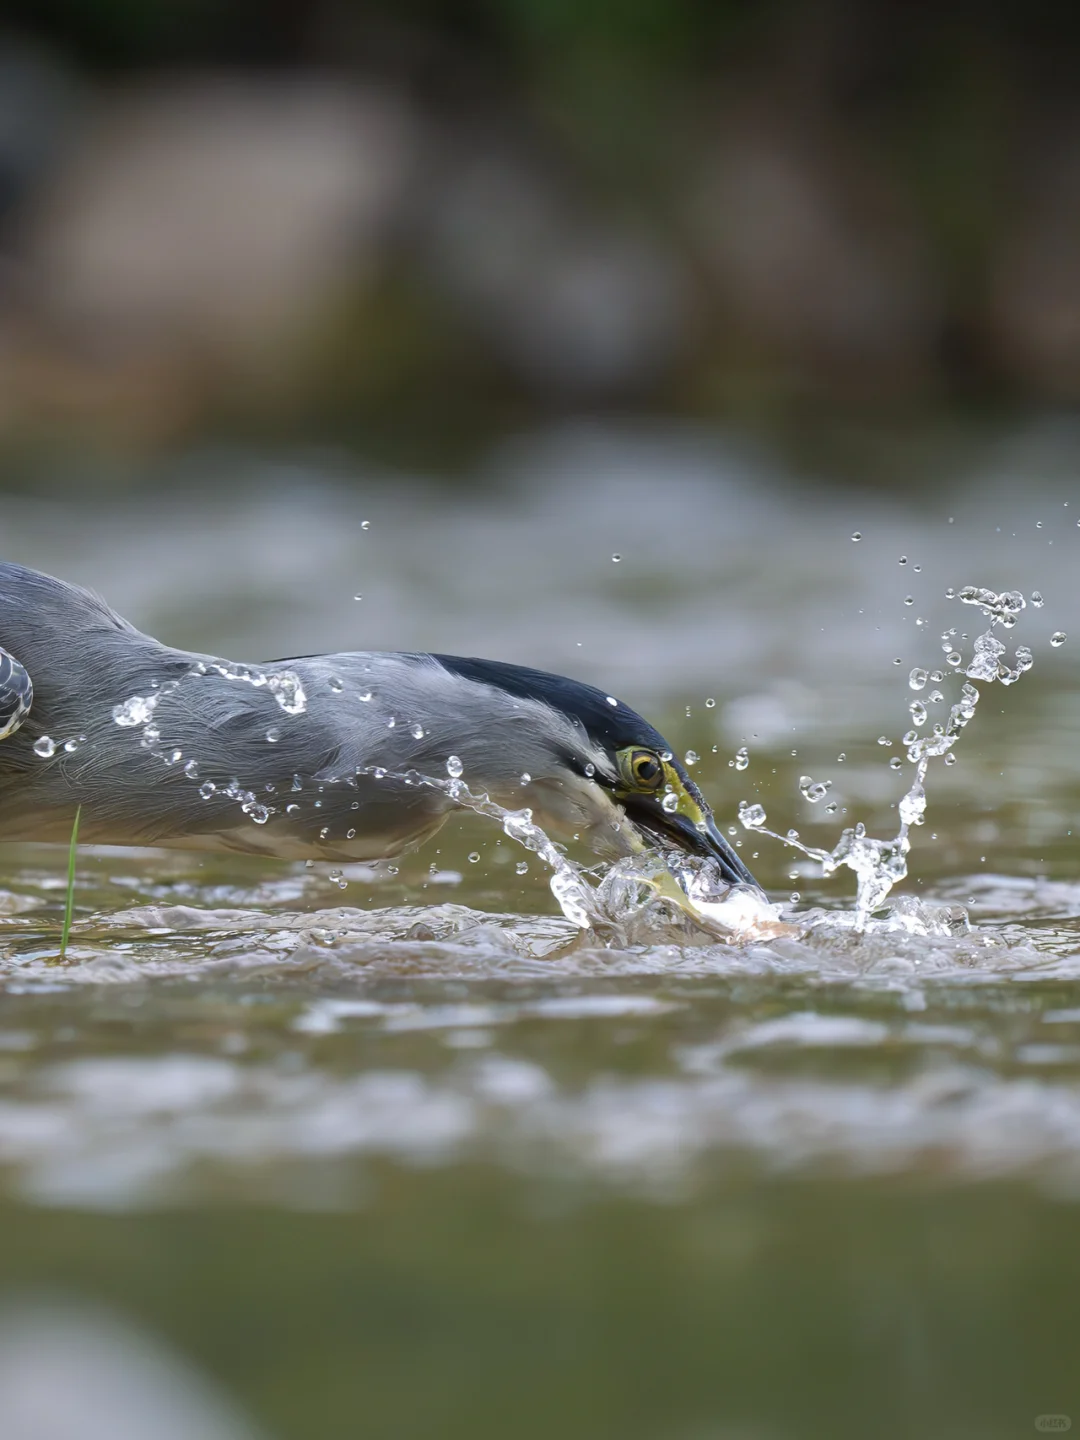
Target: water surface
416 1156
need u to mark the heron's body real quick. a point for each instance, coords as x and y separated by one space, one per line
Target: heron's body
336 757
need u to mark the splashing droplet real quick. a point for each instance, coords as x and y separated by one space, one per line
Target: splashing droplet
813 790
1058 638
856 535
751 816
454 768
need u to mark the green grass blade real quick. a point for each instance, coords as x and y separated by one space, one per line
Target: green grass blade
69 908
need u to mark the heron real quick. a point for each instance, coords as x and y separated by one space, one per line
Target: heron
358 756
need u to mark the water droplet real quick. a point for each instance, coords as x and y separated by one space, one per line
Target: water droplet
950 759
292 809
324 832
917 569
751 816
692 757
710 704
70 746
191 769
590 769
357 597
670 802
45 747
831 808
902 560
841 758
884 740
525 777
522 867
1058 638
365 697
895 763
206 789
611 700
136 711
917 678
742 758
1037 600
454 768
950 593
856 535
336 684
813 790
416 731
365 524
615 559
918 712
474 856
273 735
288 692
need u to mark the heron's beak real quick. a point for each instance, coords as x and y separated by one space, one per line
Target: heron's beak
692 828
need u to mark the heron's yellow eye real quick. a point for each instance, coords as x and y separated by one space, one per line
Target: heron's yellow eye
646 769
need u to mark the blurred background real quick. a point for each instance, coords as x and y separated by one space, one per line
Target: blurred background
410 227
692 348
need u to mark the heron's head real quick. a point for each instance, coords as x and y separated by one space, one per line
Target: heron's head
594 768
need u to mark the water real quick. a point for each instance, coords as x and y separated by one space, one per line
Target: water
427 1155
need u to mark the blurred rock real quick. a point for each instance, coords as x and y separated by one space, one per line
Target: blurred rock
575 305
73 1372
1035 288
813 259
210 217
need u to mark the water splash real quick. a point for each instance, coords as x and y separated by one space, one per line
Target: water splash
879 865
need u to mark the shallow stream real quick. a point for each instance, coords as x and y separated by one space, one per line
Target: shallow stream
405 1143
